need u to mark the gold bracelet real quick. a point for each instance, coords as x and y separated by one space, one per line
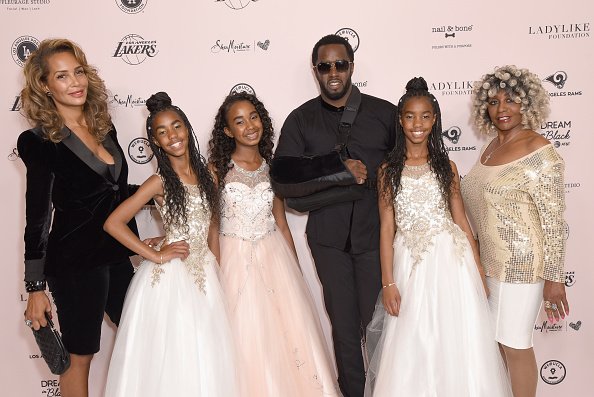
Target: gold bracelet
389 285
161 259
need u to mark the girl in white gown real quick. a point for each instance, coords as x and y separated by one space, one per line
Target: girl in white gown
280 345
174 337
431 333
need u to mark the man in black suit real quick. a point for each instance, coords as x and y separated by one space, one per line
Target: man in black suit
344 238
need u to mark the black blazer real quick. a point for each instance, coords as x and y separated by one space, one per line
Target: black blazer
312 129
70 192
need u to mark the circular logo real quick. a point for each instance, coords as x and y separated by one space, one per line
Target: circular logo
131 6
22 48
242 87
237 4
351 36
140 151
134 49
552 372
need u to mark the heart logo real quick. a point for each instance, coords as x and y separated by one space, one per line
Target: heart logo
576 325
264 45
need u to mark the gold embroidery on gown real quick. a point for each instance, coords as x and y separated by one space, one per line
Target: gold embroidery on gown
195 235
421 212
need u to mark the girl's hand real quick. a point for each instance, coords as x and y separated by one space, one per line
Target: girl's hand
178 249
153 241
37 305
391 300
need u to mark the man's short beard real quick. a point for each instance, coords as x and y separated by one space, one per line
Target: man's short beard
334 96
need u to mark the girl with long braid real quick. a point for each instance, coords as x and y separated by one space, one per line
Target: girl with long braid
174 338
431 332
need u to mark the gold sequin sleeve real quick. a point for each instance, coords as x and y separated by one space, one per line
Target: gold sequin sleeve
517 212
548 193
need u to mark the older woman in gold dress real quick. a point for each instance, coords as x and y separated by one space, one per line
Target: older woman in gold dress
515 198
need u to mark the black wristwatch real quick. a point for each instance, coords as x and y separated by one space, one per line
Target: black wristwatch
34 286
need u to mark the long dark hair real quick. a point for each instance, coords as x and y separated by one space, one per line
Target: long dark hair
175 193
438 155
221 146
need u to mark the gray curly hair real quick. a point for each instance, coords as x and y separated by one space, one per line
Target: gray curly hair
522 86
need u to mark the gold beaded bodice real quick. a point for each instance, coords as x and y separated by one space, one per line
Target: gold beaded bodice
195 234
421 212
517 211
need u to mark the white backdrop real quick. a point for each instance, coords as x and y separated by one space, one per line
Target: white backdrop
198 51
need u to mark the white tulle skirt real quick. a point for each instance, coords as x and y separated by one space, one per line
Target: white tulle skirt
442 343
173 339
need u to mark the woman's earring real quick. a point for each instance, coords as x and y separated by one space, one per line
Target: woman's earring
48 93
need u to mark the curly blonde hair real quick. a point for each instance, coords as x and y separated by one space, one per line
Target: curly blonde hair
39 108
522 86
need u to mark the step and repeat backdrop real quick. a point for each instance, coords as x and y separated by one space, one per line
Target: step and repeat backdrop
199 51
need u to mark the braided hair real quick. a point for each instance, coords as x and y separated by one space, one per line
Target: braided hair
221 146
438 155
175 194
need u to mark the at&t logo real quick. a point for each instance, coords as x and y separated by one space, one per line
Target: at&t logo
351 36
134 49
131 6
552 372
22 48
236 4
242 87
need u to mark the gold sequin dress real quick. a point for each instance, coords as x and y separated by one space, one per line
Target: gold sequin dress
281 348
174 337
441 343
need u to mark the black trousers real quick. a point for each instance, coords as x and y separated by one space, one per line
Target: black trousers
351 284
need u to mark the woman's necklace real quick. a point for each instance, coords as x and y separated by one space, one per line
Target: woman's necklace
500 146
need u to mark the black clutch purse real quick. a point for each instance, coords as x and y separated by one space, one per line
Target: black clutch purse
52 349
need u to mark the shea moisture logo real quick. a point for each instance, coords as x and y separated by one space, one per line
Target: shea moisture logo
446 88
235 46
561 31
134 49
351 36
236 4
127 101
547 327
131 6
242 87
22 48
558 132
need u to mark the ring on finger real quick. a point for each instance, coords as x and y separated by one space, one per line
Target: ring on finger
547 305
554 306
29 323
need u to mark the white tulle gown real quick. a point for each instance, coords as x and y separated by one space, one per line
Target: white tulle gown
281 348
174 338
442 342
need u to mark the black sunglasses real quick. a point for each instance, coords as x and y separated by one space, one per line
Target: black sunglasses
340 66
